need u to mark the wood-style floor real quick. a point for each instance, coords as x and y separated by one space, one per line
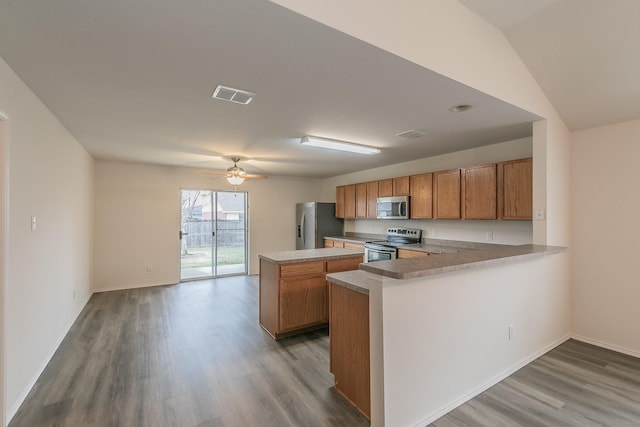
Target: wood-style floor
193 355
575 384
185 355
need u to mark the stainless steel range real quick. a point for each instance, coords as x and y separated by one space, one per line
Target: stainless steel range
388 249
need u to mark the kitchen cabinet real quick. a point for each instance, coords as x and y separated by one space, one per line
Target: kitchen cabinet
340 190
372 199
361 200
407 253
479 192
294 296
446 194
385 187
350 201
331 243
515 189
421 196
401 186
393 187
349 346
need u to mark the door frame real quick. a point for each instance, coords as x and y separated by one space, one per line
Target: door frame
214 242
4 245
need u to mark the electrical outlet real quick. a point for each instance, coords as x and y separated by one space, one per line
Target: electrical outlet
433 233
512 332
489 236
34 223
149 267
539 215
74 294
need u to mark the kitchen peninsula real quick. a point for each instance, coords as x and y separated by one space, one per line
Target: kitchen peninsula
445 327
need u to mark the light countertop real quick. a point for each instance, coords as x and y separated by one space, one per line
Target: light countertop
285 257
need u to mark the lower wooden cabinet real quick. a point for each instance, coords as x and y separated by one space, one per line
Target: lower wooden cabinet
349 346
294 296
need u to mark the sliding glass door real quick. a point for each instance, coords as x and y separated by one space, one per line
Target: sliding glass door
213 234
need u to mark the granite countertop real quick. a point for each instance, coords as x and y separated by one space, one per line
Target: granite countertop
284 257
457 258
356 280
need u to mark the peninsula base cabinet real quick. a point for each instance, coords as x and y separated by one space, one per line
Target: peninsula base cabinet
294 296
349 346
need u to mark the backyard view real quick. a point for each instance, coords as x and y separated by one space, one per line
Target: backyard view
213 234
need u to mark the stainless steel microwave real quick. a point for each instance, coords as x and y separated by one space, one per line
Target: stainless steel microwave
396 207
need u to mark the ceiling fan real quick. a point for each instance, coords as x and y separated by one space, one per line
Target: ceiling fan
236 175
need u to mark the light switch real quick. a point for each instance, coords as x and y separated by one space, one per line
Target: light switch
539 215
34 223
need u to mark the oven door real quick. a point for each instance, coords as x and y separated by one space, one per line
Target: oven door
379 253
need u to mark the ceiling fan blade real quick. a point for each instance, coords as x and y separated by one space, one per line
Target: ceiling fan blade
253 176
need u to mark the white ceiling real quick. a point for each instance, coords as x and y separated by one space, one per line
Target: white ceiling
583 53
132 80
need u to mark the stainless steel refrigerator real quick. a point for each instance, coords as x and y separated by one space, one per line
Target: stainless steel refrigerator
314 222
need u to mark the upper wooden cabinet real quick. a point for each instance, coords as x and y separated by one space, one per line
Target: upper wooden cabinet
361 200
401 186
385 187
515 189
372 199
340 201
350 201
446 194
421 196
479 189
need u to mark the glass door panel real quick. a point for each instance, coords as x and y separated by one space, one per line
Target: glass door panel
213 234
231 233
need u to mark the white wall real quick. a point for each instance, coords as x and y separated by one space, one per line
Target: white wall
605 234
49 269
446 337
506 232
138 219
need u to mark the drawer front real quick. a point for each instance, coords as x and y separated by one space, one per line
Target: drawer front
301 269
346 264
405 253
356 246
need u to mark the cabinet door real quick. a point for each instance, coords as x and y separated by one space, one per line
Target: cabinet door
446 194
328 243
361 200
340 201
350 201
422 196
303 301
372 199
349 354
344 264
401 186
516 189
385 187
479 189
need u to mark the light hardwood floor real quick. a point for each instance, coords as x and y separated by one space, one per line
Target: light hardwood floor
575 384
193 355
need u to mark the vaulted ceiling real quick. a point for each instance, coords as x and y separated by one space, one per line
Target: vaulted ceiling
132 80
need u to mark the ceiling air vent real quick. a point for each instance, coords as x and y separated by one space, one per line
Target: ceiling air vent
412 134
234 95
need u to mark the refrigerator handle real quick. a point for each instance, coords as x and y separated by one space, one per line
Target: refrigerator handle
301 228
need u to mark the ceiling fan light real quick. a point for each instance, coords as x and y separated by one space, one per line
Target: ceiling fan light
235 180
332 144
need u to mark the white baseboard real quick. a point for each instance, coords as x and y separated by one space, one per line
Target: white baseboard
13 409
136 286
490 383
617 348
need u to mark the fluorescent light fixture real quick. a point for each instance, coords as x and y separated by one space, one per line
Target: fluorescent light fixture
235 180
332 144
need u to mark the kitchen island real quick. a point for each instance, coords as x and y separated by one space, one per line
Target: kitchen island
445 327
293 288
